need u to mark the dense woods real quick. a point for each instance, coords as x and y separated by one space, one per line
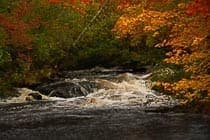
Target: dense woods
39 38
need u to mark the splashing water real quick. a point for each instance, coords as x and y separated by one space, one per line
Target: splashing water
102 104
121 91
113 90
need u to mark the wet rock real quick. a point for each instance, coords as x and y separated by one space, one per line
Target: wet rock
28 98
89 86
35 95
26 94
67 89
31 95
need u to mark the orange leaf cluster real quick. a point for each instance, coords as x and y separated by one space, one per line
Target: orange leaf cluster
16 29
127 25
187 37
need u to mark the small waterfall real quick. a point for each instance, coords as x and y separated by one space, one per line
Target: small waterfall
100 88
97 104
127 90
123 90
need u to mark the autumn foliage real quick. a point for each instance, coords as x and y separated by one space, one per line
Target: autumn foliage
29 46
36 40
198 7
36 37
183 28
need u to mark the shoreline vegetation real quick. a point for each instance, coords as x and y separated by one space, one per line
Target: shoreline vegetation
170 38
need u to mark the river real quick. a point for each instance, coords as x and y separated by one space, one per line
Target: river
98 104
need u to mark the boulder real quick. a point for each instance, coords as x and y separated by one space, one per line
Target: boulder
67 89
35 95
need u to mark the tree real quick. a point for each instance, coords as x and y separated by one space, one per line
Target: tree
182 27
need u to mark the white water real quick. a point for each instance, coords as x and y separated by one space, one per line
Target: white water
117 109
123 90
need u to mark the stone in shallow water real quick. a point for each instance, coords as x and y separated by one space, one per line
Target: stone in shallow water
25 95
30 95
35 95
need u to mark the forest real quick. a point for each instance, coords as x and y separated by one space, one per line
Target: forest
170 38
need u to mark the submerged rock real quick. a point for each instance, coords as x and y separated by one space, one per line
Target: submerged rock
35 95
67 89
26 95
124 90
30 95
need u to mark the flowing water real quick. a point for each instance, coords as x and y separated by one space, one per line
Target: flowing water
98 104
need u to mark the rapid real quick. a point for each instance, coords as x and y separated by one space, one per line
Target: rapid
98 104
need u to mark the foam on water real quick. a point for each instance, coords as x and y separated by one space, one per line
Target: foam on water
128 90
123 90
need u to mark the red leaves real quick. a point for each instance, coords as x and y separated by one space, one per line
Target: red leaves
16 29
86 1
199 7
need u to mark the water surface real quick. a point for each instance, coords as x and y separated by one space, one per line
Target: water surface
109 105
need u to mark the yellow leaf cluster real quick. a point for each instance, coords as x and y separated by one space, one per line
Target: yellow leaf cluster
125 26
187 38
200 82
153 20
186 86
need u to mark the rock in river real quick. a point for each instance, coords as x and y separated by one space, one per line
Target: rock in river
67 89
